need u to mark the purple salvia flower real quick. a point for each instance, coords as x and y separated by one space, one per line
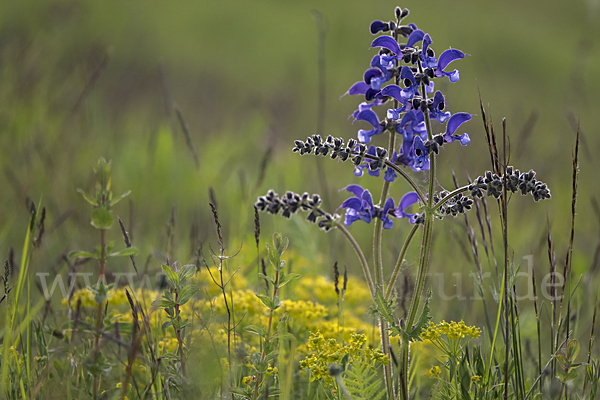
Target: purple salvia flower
359 169
358 207
369 115
390 174
446 58
428 61
421 155
453 123
415 37
412 124
407 200
387 208
436 109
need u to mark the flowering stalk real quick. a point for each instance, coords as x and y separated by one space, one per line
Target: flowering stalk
413 67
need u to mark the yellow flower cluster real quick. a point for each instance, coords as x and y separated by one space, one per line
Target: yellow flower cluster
323 352
452 330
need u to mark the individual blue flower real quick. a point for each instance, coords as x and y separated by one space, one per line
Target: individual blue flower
405 96
388 208
359 207
390 174
453 123
436 111
428 61
415 37
359 169
406 201
369 115
412 124
421 161
446 58
388 42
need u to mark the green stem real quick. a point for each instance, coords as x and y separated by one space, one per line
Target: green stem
361 256
424 258
390 287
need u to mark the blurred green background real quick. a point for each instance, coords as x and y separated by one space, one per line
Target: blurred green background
80 80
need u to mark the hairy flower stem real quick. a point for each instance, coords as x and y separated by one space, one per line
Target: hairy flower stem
394 277
424 258
268 337
361 256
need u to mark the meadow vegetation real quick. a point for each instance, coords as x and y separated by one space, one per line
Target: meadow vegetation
162 236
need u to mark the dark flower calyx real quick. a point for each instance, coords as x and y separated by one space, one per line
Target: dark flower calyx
291 202
492 185
398 12
458 204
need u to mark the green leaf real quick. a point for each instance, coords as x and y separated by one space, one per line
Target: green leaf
101 218
572 350
128 251
267 278
118 199
465 378
186 272
186 293
166 325
384 308
82 254
362 381
283 336
563 361
88 198
273 256
422 322
172 277
267 301
256 330
287 279
162 303
570 376
280 243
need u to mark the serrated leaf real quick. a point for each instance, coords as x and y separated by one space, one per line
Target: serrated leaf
128 251
384 308
422 322
101 218
172 277
186 294
186 272
82 254
287 279
88 198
